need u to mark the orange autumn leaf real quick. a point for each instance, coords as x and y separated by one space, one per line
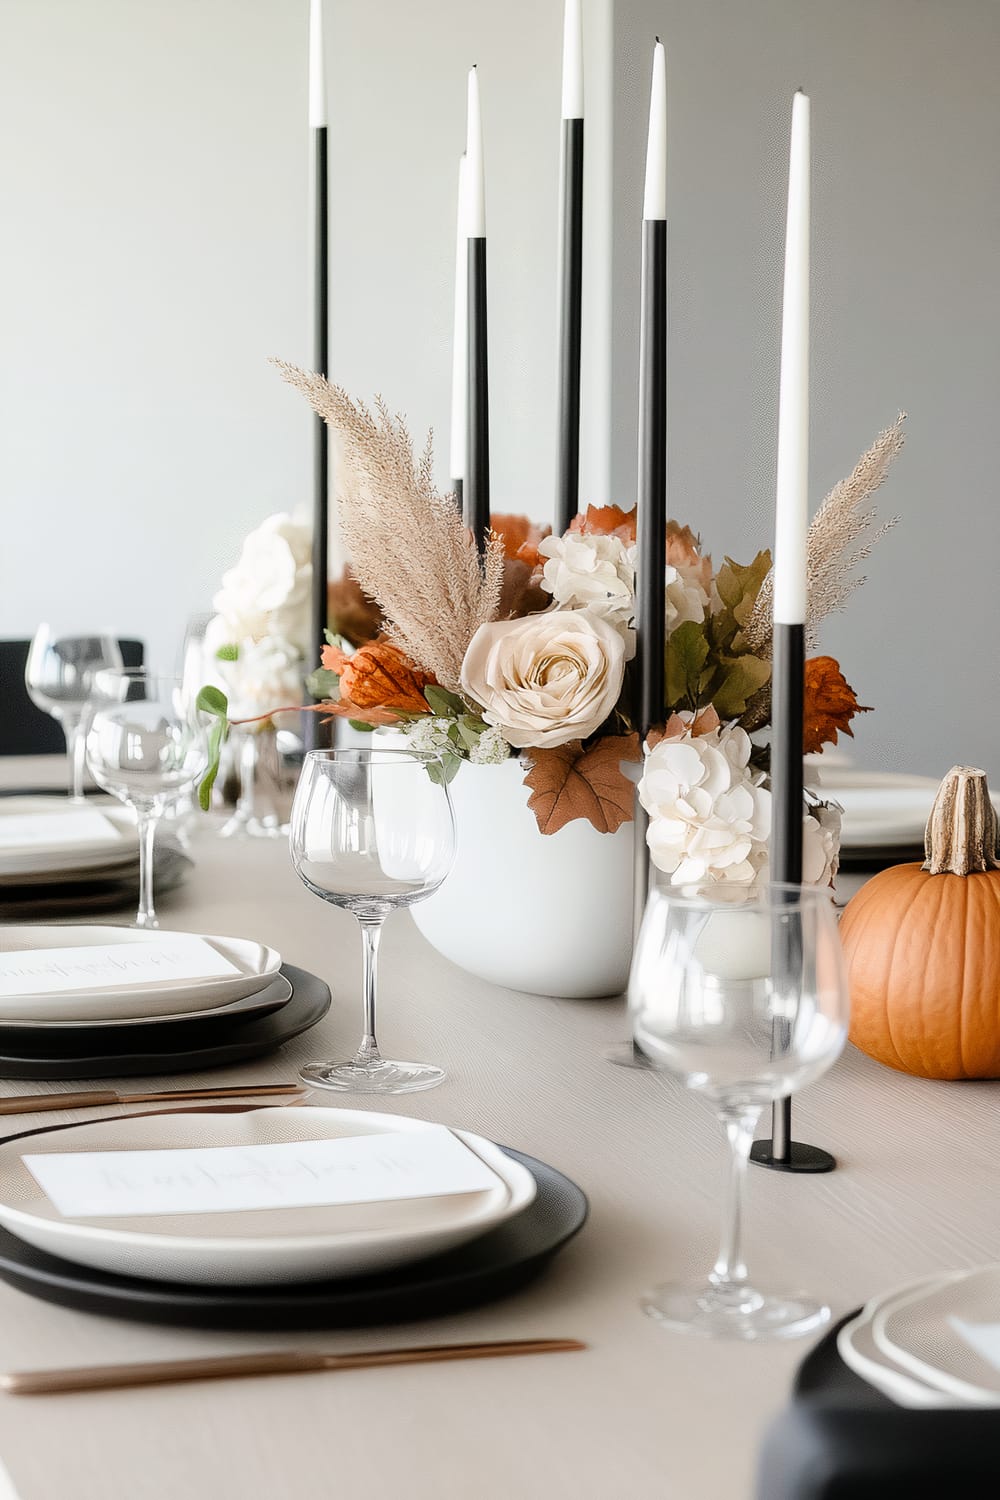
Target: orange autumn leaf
606 520
381 676
520 537
568 782
684 552
704 722
830 704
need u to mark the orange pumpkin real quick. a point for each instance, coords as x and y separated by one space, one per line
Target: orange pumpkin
923 945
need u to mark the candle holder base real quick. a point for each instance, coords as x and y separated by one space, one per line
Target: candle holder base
801 1158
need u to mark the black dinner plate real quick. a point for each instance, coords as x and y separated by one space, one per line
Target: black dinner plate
120 1052
482 1270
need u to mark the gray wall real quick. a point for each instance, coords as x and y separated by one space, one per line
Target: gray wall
155 251
906 314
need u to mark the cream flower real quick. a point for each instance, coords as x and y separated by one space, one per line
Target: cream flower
709 817
591 572
268 591
545 679
267 674
686 597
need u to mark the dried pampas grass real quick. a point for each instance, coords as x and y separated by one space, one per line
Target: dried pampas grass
841 536
408 547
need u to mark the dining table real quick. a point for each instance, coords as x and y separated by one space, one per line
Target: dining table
642 1412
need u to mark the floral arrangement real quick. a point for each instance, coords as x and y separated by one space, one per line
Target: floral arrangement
526 649
258 640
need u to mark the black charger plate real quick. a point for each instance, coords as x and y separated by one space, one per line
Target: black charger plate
841 1439
498 1263
183 1048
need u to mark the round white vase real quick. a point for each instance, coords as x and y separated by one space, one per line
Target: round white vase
548 913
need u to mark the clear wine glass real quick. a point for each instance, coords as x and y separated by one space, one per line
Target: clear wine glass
148 748
745 1000
59 675
372 829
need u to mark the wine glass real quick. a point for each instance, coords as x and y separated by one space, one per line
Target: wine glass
744 999
148 748
59 675
372 829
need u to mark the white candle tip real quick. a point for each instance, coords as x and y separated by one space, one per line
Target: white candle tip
654 203
317 67
475 185
572 65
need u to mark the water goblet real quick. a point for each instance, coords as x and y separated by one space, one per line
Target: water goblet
372 830
148 748
745 1000
59 676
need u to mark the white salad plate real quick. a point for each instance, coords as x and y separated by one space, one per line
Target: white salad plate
254 963
948 1335
857 1348
257 1246
276 992
116 842
881 809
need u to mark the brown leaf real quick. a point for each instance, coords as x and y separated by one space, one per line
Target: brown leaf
521 537
606 520
519 595
569 782
382 676
350 611
703 722
830 704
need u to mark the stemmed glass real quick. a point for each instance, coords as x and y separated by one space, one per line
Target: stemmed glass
147 746
59 675
745 1000
372 829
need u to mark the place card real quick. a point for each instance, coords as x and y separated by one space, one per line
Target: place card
388 1168
174 957
83 825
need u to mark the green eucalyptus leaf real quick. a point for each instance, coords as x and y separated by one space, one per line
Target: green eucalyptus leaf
446 705
362 727
212 700
323 684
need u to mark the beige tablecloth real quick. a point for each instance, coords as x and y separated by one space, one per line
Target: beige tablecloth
643 1414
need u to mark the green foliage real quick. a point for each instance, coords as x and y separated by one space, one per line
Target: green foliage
214 702
442 771
324 685
230 652
707 661
446 705
360 725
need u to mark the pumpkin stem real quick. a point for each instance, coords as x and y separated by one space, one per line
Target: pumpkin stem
961 837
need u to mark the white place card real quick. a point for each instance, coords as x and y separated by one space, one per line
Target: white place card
61 830
387 1168
110 966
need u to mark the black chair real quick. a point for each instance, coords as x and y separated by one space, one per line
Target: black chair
25 729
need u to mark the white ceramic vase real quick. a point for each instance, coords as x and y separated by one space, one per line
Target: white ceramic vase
548 913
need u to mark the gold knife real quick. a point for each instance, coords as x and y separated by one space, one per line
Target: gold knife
30 1103
279 1362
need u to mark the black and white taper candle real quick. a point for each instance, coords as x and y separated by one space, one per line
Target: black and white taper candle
790 607
476 496
321 349
459 347
570 269
651 520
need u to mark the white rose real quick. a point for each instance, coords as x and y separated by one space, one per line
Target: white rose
592 572
268 592
266 675
685 597
545 679
709 817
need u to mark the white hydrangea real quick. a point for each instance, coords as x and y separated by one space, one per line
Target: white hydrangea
266 675
686 597
491 749
592 572
709 816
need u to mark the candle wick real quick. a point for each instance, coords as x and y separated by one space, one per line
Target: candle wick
657 41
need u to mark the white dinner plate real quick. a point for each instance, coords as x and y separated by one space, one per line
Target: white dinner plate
857 1348
255 965
881 810
259 1245
275 993
948 1335
53 855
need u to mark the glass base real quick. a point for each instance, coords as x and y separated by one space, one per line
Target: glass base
736 1312
143 919
628 1055
381 1077
241 827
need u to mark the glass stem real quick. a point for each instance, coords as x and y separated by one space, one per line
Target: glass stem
147 820
247 801
76 744
730 1268
371 933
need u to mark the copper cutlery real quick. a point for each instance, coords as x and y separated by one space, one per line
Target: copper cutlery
29 1103
278 1362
